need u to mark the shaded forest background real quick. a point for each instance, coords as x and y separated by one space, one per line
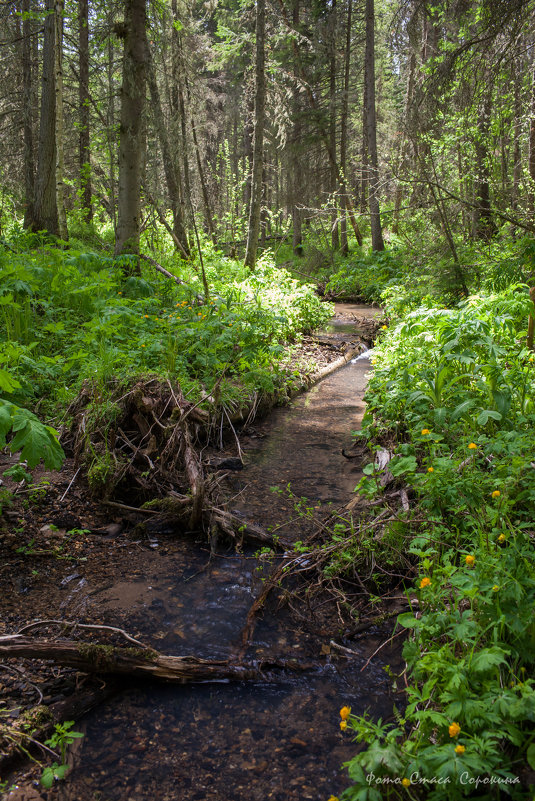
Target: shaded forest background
118 116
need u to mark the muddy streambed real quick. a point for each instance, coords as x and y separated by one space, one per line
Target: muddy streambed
237 742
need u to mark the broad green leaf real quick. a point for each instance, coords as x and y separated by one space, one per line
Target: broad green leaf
6 421
408 621
7 382
483 418
35 441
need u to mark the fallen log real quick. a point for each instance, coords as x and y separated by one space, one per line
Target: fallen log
141 663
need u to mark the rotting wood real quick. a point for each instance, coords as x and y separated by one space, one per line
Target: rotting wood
141 663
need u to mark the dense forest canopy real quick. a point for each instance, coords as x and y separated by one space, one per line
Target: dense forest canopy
124 115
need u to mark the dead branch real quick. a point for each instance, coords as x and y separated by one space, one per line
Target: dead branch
139 662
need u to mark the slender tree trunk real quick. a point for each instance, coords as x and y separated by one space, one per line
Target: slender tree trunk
60 157
295 171
111 122
176 127
27 118
200 169
517 134
369 68
335 177
258 156
83 98
531 157
185 148
364 155
172 177
483 224
404 145
131 138
45 216
248 135
343 132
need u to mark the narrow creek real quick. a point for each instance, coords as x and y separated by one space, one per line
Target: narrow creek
256 741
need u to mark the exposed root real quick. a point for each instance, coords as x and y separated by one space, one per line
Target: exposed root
150 436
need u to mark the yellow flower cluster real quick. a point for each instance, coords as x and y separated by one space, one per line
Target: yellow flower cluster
472 446
425 431
425 582
496 494
454 729
460 749
470 560
406 782
345 712
430 469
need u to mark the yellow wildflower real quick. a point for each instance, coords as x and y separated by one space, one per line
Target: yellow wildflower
472 446
145 315
430 469
496 494
425 582
384 327
143 346
469 559
501 538
343 725
345 712
425 431
406 782
454 729
495 588
333 798
460 749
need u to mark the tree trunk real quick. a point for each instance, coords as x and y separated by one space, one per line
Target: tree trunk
131 138
45 213
172 176
335 177
111 122
517 135
27 121
403 145
83 98
371 125
531 157
60 157
204 188
343 132
483 224
364 155
295 176
258 156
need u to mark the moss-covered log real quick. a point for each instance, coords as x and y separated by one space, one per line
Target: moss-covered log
139 662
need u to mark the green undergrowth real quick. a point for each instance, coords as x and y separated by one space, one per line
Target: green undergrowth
452 396
68 314
406 275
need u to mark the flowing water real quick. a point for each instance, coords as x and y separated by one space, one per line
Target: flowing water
232 741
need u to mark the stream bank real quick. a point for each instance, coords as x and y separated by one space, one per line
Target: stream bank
221 741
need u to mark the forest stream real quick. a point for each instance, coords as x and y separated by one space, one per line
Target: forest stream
237 741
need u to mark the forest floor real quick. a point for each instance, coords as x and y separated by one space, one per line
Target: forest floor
64 555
